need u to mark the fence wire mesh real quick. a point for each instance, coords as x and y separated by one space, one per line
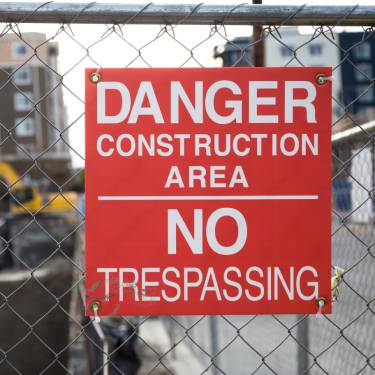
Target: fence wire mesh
43 328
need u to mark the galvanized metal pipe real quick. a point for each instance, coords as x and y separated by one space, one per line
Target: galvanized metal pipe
94 13
215 346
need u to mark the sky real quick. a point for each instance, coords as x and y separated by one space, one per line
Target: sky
120 50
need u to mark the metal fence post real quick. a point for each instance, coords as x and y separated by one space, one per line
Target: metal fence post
214 330
258 47
303 345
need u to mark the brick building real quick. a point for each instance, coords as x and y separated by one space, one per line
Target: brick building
33 113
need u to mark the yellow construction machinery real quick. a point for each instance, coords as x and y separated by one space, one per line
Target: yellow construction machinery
28 199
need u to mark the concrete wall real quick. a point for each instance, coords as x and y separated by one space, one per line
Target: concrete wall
34 326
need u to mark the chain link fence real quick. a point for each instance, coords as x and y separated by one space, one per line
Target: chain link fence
44 49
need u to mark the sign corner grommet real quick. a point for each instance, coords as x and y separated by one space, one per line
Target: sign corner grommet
321 302
95 77
95 306
321 79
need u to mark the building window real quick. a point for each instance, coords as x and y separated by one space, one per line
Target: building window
362 51
363 72
22 101
315 49
367 97
23 76
25 127
19 49
286 51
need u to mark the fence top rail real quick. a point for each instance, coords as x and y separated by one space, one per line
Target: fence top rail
150 13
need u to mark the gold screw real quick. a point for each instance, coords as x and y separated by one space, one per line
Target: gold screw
321 79
95 306
321 302
95 77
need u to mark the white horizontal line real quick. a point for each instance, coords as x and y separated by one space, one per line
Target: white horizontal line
205 197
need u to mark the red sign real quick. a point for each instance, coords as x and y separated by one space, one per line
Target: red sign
208 191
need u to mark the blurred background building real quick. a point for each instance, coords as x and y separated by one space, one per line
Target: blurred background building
352 57
292 48
358 55
33 114
34 162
